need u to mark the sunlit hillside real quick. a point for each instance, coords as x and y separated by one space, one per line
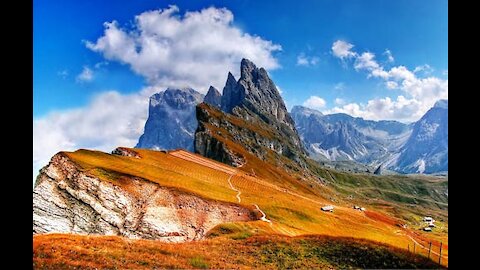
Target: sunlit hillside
284 203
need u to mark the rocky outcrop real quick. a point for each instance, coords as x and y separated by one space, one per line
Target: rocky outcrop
213 97
379 170
257 93
217 132
171 122
69 200
253 116
126 152
231 94
263 98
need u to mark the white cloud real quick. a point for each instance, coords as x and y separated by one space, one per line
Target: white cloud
101 64
401 73
391 85
109 120
389 56
315 102
303 60
382 109
86 75
366 61
339 101
426 68
445 72
420 93
196 49
342 49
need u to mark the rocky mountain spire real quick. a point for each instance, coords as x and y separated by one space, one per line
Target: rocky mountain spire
213 97
255 101
261 95
231 96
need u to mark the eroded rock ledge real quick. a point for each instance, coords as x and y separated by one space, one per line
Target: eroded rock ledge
68 200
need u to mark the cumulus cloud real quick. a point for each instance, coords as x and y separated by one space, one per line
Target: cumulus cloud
342 49
339 101
389 56
391 85
303 60
101 64
86 75
419 93
366 61
195 49
109 120
426 68
315 102
382 108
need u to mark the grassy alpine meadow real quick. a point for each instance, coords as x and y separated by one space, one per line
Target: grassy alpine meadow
290 201
61 251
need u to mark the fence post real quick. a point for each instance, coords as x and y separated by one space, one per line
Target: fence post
414 244
440 253
429 249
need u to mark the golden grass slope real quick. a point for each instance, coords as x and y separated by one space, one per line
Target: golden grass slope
63 251
290 202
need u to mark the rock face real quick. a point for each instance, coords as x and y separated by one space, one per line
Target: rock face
232 96
213 97
123 151
256 92
426 151
171 122
68 200
378 171
254 116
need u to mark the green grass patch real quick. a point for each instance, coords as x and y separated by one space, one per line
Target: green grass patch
198 262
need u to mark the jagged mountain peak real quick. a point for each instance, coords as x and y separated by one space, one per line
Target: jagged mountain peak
247 67
442 103
231 96
253 98
213 97
305 111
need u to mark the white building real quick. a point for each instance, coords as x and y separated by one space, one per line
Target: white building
328 208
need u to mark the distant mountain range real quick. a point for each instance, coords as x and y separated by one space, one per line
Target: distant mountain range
421 147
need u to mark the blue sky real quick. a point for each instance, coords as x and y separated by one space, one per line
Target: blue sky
416 32
92 92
